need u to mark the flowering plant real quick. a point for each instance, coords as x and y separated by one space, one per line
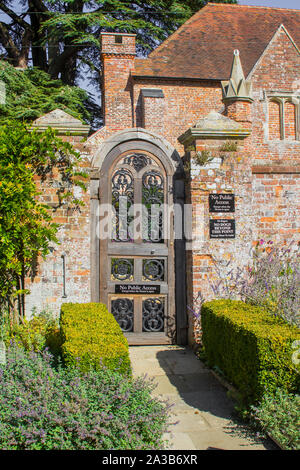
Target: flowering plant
47 408
271 280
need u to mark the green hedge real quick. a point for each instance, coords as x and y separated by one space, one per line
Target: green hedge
92 338
252 348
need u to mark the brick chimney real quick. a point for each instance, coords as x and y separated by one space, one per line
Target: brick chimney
117 56
237 93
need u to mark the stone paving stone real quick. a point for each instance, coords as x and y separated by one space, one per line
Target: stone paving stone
181 361
182 441
191 424
150 367
170 386
203 381
202 411
218 439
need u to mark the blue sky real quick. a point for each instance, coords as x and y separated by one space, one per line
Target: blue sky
273 3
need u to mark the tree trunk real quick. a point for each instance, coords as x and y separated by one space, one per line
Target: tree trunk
39 56
22 61
68 73
65 66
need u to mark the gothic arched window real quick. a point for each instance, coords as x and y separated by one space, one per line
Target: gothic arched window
284 117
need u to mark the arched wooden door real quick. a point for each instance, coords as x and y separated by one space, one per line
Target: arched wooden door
137 279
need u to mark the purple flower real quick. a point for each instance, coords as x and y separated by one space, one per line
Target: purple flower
99 410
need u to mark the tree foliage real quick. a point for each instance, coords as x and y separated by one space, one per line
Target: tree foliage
26 227
31 93
62 37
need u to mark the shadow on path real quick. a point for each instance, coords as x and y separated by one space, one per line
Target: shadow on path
195 391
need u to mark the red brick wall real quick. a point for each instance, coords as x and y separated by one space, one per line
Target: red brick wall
275 195
290 121
110 44
276 203
117 62
274 120
278 70
184 103
153 114
233 175
240 111
117 92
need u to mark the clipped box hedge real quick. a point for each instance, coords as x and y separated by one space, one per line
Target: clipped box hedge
91 337
252 348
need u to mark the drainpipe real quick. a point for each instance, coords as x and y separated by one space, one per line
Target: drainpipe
63 256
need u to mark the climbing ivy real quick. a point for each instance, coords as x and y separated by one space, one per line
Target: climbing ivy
26 226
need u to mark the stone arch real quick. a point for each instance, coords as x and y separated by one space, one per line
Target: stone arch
127 138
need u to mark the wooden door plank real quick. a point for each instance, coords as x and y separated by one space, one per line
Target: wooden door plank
134 249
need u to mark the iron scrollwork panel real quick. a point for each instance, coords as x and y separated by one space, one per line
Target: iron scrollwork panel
122 200
153 314
138 161
122 269
123 311
153 199
154 270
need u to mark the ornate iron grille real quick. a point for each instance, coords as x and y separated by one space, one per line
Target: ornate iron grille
138 161
153 199
154 269
122 269
153 315
122 187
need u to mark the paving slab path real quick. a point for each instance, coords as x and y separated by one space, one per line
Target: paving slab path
203 413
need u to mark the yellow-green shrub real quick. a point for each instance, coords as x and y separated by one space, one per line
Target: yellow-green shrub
36 334
252 348
92 338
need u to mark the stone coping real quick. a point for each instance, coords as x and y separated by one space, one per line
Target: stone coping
62 122
192 134
214 126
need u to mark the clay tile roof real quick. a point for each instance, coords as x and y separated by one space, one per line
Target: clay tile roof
203 46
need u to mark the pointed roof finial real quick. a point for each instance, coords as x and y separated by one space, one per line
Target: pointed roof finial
237 88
